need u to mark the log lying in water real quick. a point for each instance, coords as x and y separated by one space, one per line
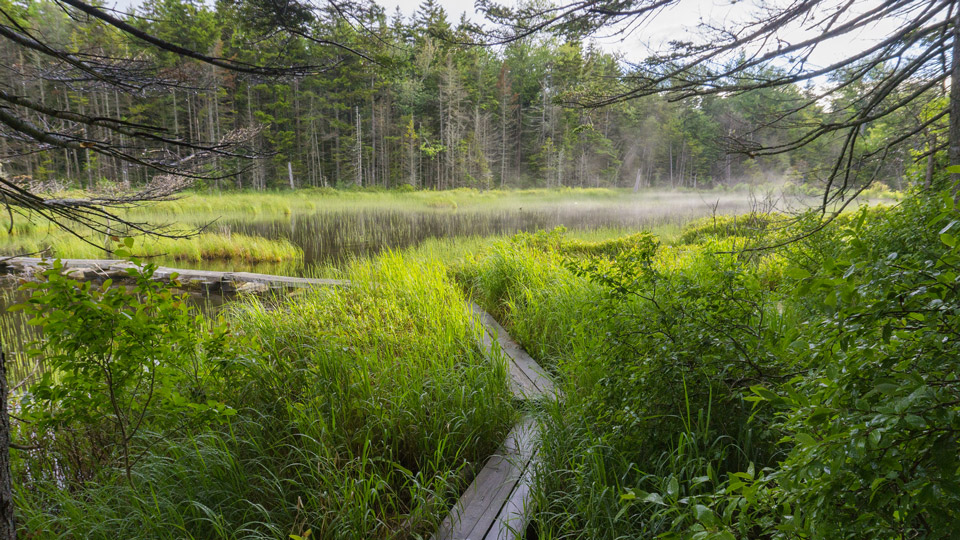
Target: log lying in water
206 280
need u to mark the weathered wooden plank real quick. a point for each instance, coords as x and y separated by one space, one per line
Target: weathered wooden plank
501 516
523 367
518 510
481 507
101 269
520 383
485 491
499 505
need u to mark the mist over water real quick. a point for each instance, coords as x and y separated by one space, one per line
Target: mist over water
331 237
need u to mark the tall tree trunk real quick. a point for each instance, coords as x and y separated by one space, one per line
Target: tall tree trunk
8 526
212 129
954 153
372 164
336 144
670 151
124 164
560 168
359 157
176 118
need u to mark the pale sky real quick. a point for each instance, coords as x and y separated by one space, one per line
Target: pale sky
678 23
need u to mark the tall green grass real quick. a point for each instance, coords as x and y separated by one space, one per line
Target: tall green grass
645 404
196 248
362 413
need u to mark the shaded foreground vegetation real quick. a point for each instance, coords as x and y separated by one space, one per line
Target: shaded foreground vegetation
353 412
804 392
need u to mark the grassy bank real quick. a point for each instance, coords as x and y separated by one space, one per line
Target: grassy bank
195 248
778 394
359 413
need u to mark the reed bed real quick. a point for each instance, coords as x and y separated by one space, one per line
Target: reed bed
330 227
200 247
362 412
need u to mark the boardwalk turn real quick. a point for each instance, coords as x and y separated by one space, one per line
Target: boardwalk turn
529 380
498 505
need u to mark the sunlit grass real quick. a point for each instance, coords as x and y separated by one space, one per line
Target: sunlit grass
197 247
362 413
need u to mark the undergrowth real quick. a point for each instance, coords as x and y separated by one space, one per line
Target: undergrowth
358 412
714 393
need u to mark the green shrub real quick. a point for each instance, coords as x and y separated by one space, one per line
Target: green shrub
361 412
116 360
806 393
643 357
642 245
403 188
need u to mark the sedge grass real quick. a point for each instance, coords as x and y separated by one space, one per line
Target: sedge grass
362 413
196 248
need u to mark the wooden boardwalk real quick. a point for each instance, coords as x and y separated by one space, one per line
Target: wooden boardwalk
498 505
528 379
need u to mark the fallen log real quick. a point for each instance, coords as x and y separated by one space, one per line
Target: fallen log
203 280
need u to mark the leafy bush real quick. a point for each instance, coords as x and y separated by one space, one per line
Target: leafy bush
641 245
807 393
116 360
630 388
361 412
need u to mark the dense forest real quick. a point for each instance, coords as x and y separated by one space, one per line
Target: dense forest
408 101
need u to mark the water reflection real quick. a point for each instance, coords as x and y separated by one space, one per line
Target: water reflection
332 237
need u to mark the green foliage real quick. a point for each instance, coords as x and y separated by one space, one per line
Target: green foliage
806 393
116 360
510 127
629 391
877 407
361 412
641 246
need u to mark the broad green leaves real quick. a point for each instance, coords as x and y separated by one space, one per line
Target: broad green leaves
117 359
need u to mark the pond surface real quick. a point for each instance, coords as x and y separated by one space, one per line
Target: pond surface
331 237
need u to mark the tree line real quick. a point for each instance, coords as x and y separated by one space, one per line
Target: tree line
399 101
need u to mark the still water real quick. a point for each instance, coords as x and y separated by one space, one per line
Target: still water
328 238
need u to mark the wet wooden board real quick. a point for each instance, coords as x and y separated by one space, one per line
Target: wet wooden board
102 269
497 504
527 376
